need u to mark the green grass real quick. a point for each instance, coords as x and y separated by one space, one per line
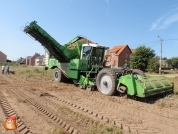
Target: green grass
21 100
94 127
57 131
98 128
30 71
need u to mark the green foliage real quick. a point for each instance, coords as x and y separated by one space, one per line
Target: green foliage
153 65
141 57
13 63
173 61
36 70
98 128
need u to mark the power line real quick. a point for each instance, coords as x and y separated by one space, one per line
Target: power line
169 39
146 43
152 42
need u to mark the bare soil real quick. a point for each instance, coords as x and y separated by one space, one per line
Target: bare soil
88 112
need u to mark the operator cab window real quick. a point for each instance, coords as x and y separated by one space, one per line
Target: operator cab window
97 56
86 52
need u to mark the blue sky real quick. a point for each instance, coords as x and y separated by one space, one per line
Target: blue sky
106 22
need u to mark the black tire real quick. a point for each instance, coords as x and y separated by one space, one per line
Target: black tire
138 72
58 75
106 82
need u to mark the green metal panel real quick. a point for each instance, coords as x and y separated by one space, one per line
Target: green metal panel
155 85
129 82
52 62
145 86
61 53
84 81
65 67
73 74
79 64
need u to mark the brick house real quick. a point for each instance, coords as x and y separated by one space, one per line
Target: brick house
3 57
30 60
39 61
118 55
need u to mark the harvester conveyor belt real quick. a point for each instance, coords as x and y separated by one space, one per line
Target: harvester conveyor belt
55 49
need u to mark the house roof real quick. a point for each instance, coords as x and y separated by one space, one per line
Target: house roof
28 57
2 52
118 49
40 57
133 50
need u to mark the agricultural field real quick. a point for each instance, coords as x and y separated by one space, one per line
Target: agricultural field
45 107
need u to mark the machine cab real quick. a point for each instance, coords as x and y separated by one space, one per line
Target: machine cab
94 53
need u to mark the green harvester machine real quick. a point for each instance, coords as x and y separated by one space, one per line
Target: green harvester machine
82 61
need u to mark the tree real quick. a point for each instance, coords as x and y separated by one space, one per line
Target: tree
153 65
174 62
169 61
141 57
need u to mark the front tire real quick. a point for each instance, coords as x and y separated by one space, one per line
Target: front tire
106 82
58 75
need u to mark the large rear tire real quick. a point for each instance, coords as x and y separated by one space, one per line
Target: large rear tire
136 72
58 75
106 82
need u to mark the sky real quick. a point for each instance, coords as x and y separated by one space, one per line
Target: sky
106 22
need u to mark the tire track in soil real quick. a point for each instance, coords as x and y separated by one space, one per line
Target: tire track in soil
152 120
104 116
45 111
166 112
139 105
149 108
9 111
128 112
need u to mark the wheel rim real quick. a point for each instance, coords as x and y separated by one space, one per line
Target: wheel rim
56 74
105 84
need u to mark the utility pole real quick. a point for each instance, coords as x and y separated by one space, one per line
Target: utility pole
160 64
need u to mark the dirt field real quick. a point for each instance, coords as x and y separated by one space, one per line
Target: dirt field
45 107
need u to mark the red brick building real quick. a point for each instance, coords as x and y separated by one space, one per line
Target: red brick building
3 57
30 60
118 55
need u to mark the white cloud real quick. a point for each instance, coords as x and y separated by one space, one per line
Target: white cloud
164 22
156 23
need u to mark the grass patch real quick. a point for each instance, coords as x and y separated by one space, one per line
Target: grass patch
32 88
30 70
98 128
65 110
93 127
36 70
21 100
162 105
57 131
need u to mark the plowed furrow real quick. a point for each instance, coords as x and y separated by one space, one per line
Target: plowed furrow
152 120
9 111
48 113
102 115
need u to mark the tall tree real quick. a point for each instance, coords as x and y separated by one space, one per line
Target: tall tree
175 62
153 65
141 57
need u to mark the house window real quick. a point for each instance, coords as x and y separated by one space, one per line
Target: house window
126 55
112 54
